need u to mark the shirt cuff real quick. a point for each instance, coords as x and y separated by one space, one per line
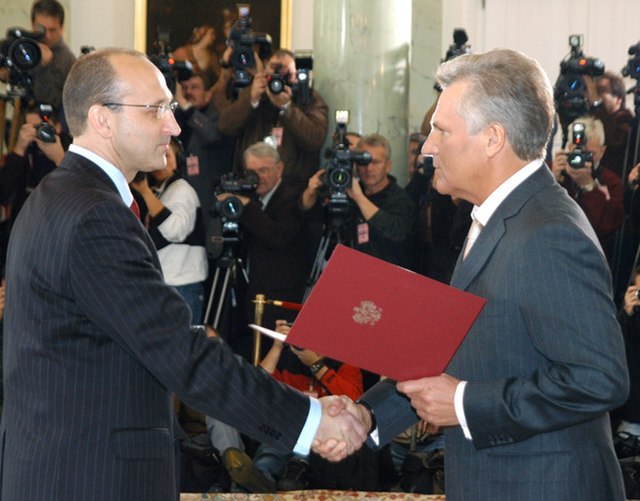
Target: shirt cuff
459 408
311 425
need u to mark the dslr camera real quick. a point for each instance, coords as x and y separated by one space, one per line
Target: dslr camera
44 130
339 170
242 40
20 52
301 90
173 71
570 89
579 157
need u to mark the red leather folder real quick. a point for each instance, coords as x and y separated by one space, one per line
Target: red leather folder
378 316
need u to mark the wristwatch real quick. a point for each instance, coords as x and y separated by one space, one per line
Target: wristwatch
316 367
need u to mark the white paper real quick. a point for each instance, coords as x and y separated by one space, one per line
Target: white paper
269 332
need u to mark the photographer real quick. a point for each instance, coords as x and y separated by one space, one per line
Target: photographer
382 215
209 154
32 157
627 438
177 229
49 76
615 117
596 188
298 129
273 232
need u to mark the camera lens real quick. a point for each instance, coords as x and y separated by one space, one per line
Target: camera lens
276 84
638 294
24 53
340 178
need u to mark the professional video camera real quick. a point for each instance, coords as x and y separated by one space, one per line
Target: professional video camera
231 208
459 46
571 90
339 170
632 70
242 40
579 157
20 52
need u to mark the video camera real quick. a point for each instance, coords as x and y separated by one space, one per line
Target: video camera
20 52
338 175
579 157
632 70
242 40
570 89
459 46
231 208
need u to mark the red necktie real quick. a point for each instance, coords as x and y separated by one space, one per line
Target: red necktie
135 208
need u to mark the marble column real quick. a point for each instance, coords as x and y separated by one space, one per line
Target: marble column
362 59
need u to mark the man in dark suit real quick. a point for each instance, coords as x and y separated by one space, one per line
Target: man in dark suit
524 402
94 341
273 234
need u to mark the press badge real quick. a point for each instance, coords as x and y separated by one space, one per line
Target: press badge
193 165
363 233
275 139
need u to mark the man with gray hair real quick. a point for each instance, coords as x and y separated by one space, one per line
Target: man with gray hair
273 233
581 170
525 401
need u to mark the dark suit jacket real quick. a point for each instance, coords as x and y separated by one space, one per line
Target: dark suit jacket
544 361
95 343
276 243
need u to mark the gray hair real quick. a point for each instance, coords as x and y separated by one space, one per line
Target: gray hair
93 79
593 129
508 88
261 150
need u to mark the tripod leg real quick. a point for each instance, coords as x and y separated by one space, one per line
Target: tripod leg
223 296
214 286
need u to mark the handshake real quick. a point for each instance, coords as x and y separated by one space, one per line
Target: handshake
343 429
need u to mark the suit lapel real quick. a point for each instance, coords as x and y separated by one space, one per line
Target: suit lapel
466 270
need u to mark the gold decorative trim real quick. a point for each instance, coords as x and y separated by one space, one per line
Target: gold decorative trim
140 25
286 24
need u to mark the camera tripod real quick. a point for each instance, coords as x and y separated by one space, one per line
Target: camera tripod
232 266
16 121
332 234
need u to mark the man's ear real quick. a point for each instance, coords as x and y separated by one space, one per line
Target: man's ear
496 138
100 119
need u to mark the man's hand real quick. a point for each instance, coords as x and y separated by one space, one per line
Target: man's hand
53 151
281 99
258 86
26 135
634 177
432 398
342 429
631 299
582 176
223 196
310 194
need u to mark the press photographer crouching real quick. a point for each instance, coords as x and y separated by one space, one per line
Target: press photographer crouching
274 244
596 188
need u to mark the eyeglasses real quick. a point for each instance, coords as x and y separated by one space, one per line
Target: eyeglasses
161 109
